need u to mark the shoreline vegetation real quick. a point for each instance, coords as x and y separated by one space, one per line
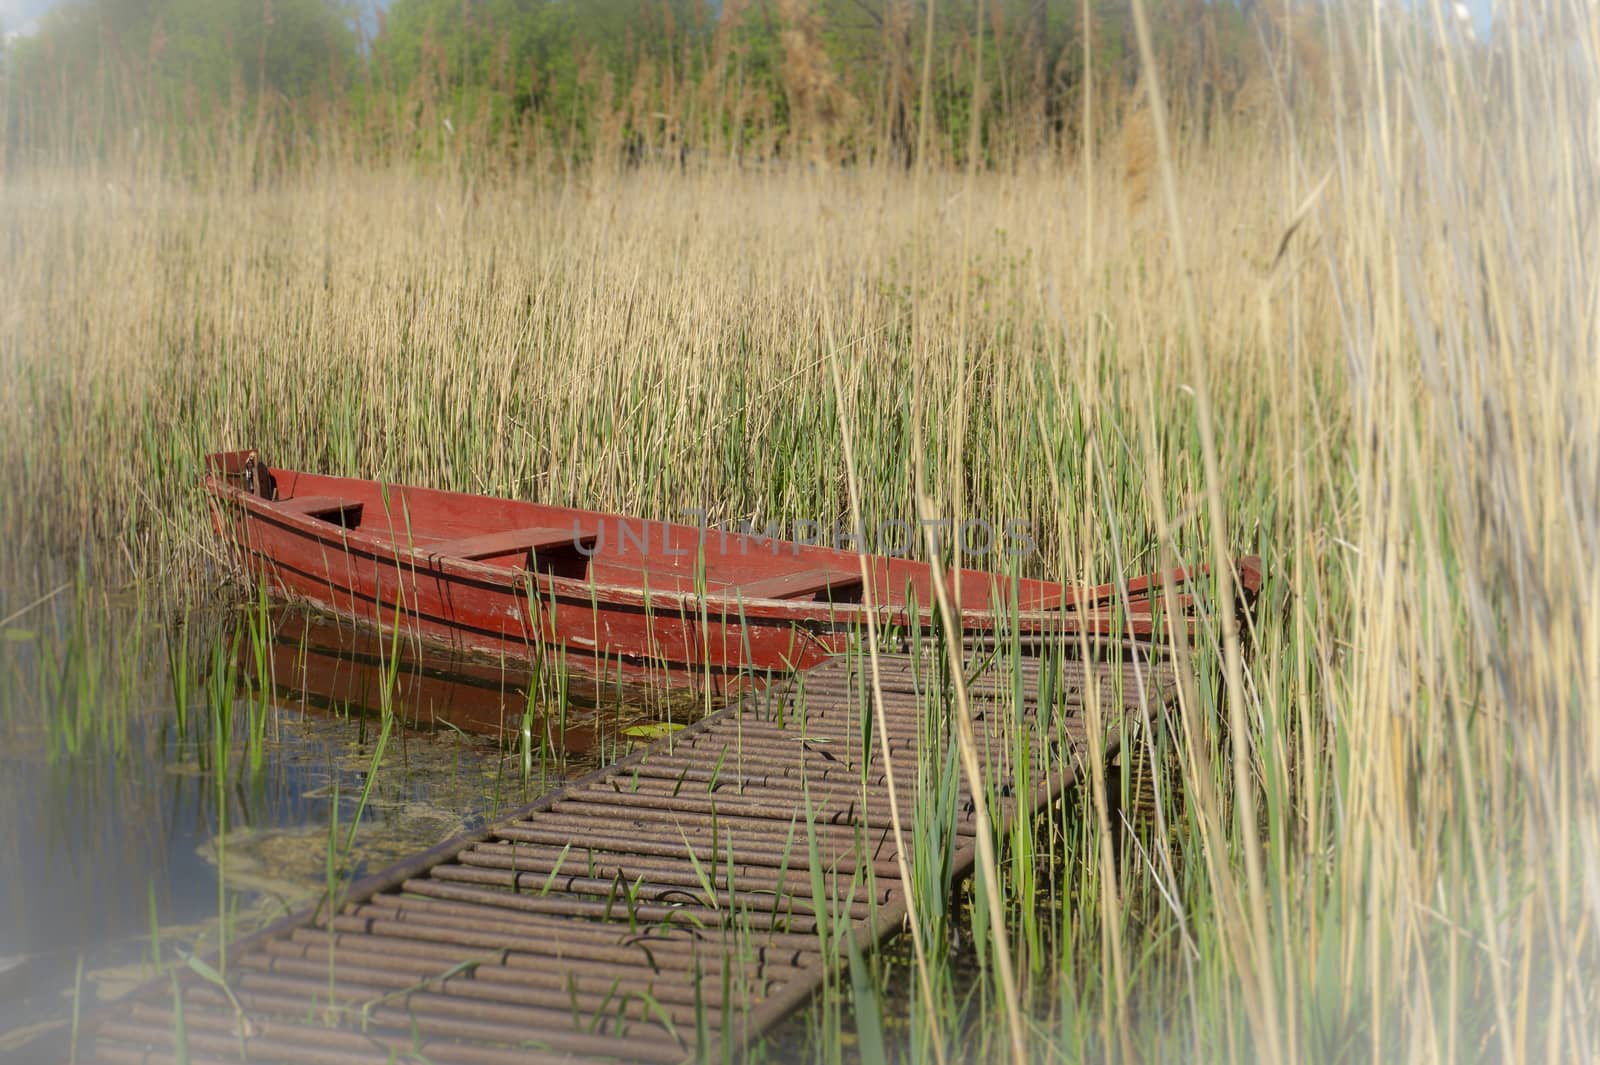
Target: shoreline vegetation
1337 308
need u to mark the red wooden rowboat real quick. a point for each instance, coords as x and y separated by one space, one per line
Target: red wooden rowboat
614 594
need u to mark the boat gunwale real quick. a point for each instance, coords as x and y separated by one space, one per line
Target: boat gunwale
1066 619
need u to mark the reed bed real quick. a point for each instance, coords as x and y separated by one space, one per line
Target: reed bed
1363 347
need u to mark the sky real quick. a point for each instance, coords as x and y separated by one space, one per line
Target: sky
16 16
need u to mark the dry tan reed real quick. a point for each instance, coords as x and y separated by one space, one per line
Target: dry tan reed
1399 320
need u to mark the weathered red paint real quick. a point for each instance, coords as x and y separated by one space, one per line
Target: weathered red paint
614 594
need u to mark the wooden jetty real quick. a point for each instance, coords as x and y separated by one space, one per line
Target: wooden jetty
659 909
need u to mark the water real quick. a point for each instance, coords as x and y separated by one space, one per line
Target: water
187 776
167 780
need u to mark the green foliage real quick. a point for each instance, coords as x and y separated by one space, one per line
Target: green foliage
207 50
620 79
502 63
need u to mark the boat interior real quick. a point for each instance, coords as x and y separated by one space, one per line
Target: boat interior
607 549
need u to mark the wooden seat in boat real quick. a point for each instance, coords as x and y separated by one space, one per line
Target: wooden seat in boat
335 509
507 542
841 585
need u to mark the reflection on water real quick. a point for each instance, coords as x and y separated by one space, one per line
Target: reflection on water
167 772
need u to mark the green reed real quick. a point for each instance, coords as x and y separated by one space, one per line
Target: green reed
1371 844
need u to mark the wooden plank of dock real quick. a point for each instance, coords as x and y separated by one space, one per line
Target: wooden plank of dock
664 903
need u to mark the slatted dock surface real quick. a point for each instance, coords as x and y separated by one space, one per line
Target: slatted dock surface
663 902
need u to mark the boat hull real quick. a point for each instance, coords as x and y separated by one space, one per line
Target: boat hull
658 601
524 616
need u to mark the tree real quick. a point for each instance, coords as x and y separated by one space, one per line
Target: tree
206 50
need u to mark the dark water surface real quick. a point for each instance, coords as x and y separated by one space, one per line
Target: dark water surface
190 774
